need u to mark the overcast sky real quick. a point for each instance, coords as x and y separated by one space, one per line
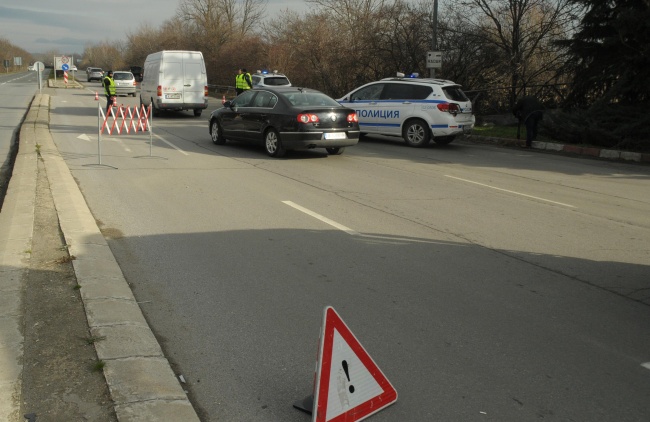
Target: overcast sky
68 26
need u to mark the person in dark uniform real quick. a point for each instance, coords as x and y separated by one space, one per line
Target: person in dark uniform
530 111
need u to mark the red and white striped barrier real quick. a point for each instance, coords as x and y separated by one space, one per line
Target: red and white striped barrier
125 119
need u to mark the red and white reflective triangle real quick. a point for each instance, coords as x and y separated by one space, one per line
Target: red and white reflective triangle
349 386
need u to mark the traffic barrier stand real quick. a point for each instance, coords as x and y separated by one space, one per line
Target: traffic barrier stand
123 119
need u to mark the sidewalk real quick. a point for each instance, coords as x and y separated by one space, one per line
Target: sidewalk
141 382
601 153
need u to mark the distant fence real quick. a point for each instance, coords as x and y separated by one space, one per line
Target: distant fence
221 91
491 101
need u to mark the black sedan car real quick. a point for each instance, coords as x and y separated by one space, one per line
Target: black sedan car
286 118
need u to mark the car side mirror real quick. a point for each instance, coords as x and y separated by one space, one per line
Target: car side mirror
228 104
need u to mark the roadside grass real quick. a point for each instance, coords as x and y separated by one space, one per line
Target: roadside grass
98 366
507 132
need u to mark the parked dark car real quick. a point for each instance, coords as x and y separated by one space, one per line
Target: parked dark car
286 118
137 73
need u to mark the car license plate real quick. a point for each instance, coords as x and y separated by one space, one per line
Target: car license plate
335 135
173 96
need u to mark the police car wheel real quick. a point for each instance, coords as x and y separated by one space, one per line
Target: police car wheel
273 144
335 151
216 133
416 134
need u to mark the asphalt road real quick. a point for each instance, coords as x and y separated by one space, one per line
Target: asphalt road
16 93
488 284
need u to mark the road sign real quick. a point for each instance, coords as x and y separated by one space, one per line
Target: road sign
64 59
434 59
349 386
65 66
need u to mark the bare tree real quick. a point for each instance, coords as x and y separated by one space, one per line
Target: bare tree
523 31
219 21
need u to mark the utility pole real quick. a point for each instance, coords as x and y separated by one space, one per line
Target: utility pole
434 37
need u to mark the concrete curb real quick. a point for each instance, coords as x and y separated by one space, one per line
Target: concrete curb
141 382
606 154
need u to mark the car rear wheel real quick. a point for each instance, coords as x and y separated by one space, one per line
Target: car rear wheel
216 133
416 133
197 112
335 150
273 144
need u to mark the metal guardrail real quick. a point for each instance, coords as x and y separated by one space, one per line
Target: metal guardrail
223 90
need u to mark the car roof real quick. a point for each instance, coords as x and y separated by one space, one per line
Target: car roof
260 73
284 89
420 80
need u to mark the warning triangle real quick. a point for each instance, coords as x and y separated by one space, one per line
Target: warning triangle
349 386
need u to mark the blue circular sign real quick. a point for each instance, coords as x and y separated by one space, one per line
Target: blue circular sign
65 66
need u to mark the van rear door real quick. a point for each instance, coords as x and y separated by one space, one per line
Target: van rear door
195 78
172 80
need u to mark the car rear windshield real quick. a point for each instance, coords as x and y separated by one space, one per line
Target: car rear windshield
95 69
276 81
122 76
454 93
306 99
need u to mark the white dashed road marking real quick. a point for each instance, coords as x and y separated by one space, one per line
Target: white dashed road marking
321 218
510 191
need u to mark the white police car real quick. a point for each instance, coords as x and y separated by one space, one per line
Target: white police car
266 78
416 109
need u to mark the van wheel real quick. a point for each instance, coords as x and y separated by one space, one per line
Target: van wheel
335 150
273 144
416 133
197 112
443 140
216 133
154 110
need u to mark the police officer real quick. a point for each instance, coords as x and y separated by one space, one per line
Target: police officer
243 81
530 111
109 89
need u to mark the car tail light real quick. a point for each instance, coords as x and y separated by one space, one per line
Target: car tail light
308 118
352 118
452 108
159 91
206 92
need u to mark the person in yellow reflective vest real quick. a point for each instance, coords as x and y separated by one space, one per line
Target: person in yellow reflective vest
109 89
243 81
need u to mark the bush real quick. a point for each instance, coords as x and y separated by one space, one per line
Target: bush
613 126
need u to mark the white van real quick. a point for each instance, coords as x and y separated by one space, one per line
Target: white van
175 80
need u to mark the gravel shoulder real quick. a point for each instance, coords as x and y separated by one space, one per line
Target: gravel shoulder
61 379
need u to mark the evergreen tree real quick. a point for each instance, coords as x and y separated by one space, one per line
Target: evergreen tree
611 53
